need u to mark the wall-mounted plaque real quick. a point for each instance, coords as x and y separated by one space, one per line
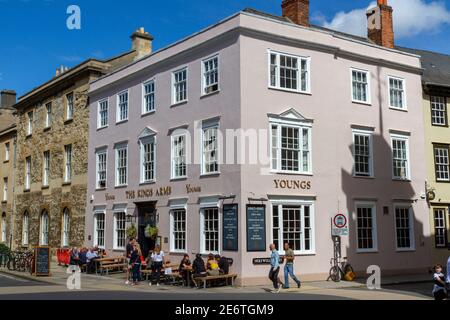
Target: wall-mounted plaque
230 227
256 228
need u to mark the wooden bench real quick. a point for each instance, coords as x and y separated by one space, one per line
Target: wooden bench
207 279
111 264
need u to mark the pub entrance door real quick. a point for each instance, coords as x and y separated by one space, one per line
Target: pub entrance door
146 217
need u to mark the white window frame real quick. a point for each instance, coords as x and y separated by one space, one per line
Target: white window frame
411 227
4 229
144 110
48 115
149 140
404 99
371 167
102 103
44 229
203 153
203 231
117 149
70 106
65 228
373 207
25 228
30 116
68 163
118 110
97 172
204 75
27 173
7 151
172 230
116 230
369 97
436 101
96 229
5 189
300 127
408 157
294 202
174 89
46 168
172 153
443 226
277 85
436 164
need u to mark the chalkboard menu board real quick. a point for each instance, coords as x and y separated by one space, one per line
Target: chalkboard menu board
230 227
42 261
256 228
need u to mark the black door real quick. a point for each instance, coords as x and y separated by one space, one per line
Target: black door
147 217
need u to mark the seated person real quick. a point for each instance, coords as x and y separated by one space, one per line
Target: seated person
184 265
198 268
212 265
83 258
224 265
74 257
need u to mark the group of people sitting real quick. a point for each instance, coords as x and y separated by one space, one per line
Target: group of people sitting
86 257
156 262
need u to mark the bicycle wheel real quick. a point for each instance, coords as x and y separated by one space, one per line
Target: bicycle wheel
335 274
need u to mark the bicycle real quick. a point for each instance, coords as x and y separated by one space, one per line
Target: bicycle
339 268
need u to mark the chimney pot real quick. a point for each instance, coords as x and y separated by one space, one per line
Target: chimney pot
297 11
380 24
7 98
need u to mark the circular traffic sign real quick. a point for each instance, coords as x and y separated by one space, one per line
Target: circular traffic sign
340 221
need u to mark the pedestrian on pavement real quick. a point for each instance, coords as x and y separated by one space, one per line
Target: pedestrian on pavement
158 262
448 275
289 267
129 250
439 290
135 259
274 268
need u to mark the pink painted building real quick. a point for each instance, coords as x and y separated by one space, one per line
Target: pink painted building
325 123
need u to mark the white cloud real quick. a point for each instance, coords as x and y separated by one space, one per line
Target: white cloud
411 17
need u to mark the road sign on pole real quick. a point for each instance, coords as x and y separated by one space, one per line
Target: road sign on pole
339 225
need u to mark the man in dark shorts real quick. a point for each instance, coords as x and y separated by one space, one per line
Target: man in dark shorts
129 250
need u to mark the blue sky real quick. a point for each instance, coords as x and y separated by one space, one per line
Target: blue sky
35 39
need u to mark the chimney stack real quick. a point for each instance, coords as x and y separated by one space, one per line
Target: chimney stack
380 24
7 98
297 11
142 43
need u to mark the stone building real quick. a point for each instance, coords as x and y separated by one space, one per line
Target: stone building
52 140
7 153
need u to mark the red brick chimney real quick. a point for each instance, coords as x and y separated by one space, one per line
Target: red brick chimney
297 11
380 24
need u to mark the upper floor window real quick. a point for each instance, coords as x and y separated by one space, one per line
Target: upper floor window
210 75
289 72
210 149
5 189
179 90
179 156
442 164
102 114
362 152
70 106
149 97
101 158
46 169
68 163
360 86
48 115
400 158
438 111
30 123
397 98
148 159
122 106
28 173
7 151
121 166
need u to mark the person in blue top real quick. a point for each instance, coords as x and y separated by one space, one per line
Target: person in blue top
274 268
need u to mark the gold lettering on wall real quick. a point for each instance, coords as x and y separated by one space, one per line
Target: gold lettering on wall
292 184
192 189
148 193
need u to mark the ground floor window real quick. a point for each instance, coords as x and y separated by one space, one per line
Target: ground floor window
440 228
99 230
119 230
178 230
25 228
293 224
404 228
4 228
65 228
210 230
366 226
44 228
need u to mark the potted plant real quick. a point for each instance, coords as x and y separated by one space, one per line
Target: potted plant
151 232
131 231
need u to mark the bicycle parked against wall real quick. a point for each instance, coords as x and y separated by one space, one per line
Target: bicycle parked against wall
340 268
20 261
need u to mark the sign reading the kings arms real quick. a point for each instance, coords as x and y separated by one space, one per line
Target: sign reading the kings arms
148 193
